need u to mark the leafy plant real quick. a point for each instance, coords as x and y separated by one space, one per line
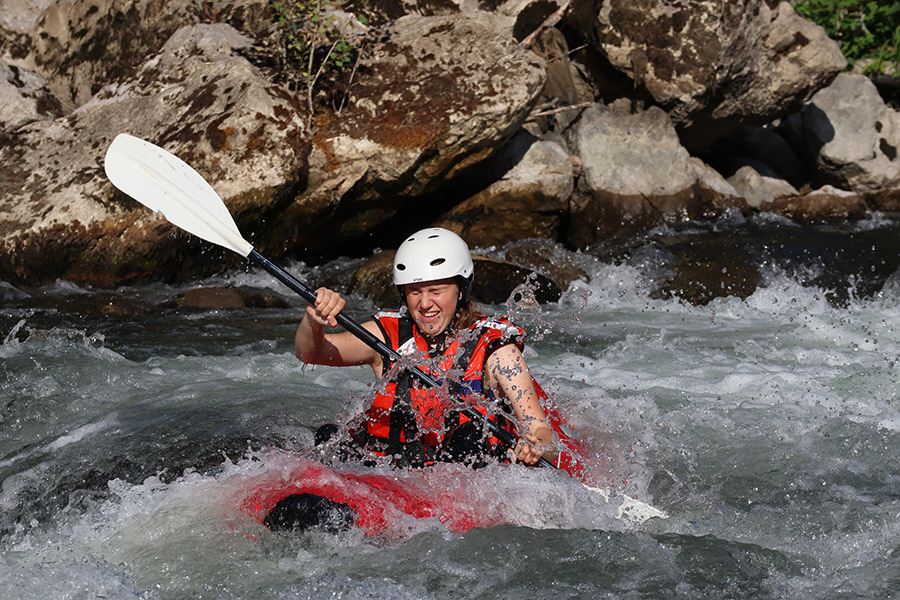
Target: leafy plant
311 45
887 60
864 29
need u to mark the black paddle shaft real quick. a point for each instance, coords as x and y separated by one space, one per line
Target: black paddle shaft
373 342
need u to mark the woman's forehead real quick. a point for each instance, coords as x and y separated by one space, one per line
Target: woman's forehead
422 285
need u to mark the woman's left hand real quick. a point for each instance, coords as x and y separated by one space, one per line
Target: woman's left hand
533 445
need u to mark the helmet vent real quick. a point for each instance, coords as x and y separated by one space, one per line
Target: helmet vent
401 267
437 261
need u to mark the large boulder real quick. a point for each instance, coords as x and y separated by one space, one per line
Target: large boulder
24 97
850 137
712 65
60 217
530 200
824 205
636 174
496 281
17 22
82 45
435 97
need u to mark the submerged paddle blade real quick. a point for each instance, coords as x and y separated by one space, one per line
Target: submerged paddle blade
164 183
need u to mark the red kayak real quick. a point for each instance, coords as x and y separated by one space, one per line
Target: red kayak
376 499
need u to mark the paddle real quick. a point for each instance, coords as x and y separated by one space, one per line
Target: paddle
164 183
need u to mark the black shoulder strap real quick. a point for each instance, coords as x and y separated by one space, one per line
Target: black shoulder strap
402 418
384 331
405 330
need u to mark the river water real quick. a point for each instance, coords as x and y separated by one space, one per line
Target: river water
766 427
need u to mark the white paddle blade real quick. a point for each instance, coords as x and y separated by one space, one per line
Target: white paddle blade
164 183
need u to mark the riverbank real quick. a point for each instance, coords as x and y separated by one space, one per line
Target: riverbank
596 128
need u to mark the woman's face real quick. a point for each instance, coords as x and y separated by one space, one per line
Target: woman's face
432 304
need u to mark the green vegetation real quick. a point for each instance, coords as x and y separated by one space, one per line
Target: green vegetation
313 48
866 30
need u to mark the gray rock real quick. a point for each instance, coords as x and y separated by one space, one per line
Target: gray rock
636 174
82 46
440 95
62 218
850 135
712 65
760 188
24 97
17 21
528 201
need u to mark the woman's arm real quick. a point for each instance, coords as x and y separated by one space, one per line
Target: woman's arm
508 372
312 345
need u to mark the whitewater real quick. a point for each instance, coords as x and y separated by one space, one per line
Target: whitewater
766 427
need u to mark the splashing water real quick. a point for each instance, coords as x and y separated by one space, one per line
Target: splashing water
766 427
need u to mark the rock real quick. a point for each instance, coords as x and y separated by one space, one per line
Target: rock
449 121
439 95
715 194
566 90
63 300
374 280
24 97
708 268
636 174
713 66
851 137
84 45
548 259
17 21
825 205
758 188
60 217
495 281
529 201
220 298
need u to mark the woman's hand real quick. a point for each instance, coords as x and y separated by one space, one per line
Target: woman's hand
341 349
326 308
536 443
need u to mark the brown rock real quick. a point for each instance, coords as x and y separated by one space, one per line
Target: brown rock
495 281
528 201
713 66
548 259
219 298
825 205
439 95
709 268
60 217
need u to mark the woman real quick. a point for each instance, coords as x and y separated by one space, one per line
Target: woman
439 331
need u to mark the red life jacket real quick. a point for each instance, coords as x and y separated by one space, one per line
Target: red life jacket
408 418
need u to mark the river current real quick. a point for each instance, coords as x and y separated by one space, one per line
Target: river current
766 427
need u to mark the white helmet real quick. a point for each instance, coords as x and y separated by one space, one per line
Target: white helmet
432 254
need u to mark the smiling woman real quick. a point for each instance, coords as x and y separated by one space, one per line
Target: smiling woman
432 305
439 331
